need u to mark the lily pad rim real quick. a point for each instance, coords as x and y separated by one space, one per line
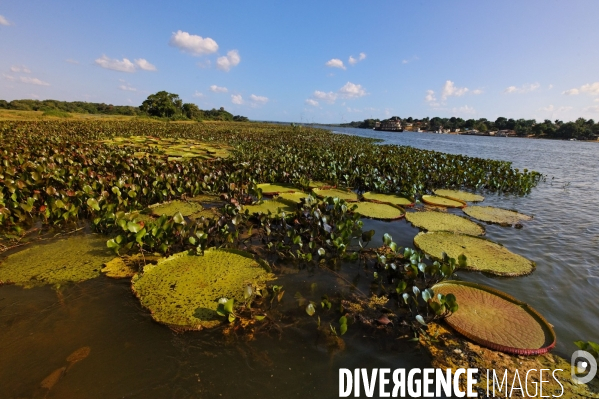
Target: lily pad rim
464 204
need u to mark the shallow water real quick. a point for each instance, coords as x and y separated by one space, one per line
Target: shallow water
133 357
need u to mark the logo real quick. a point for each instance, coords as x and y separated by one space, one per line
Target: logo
584 367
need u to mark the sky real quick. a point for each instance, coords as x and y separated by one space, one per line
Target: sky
311 61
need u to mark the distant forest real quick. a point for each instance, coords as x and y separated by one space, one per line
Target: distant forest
179 111
580 129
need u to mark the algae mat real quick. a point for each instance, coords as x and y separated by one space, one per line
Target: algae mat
182 291
481 255
440 221
496 320
72 259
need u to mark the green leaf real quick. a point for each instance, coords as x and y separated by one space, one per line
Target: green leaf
343 320
133 227
310 309
93 203
420 320
343 329
178 218
231 317
259 317
387 239
321 252
229 305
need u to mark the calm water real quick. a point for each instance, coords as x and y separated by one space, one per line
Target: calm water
133 357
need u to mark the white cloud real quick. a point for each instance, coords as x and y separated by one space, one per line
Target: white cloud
335 63
9 77
127 87
465 110
26 80
72 61
408 60
450 89
527 88
596 100
142 63
193 44
554 110
4 21
258 100
329 97
197 94
550 87
354 61
548 108
311 102
236 99
225 63
590 88
430 96
123 66
17 69
477 91
571 92
351 90
218 89
204 64
594 108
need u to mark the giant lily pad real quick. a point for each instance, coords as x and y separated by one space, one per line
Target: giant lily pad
183 291
272 189
378 211
442 201
186 208
276 206
495 215
496 320
481 254
387 199
72 259
347 195
295 196
459 195
442 221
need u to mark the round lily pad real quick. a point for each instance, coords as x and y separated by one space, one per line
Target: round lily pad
318 184
459 195
347 195
481 254
387 199
183 291
295 196
73 259
276 207
209 213
442 201
186 208
442 221
273 189
378 211
496 320
495 215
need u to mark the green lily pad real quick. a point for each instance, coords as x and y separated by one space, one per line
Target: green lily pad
318 184
170 208
375 210
387 199
273 189
276 207
183 291
496 215
459 195
442 201
347 195
441 221
295 196
210 213
74 259
496 320
481 254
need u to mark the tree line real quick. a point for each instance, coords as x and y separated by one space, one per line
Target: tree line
160 105
580 129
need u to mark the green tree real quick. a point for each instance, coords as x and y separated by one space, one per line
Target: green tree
163 104
192 111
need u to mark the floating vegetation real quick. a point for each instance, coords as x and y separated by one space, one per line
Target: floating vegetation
496 320
442 201
295 196
318 184
496 215
442 221
459 195
481 254
183 291
186 208
209 213
387 199
126 266
273 189
66 260
346 195
275 206
375 210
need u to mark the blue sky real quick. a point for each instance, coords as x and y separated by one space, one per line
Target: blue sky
290 61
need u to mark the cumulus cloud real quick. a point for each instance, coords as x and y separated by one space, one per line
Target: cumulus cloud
351 90
236 99
335 63
144 64
329 97
354 61
116 65
4 21
450 89
431 99
311 102
477 91
18 69
198 94
225 63
590 88
127 87
465 110
26 80
218 89
258 100
527 88
193 44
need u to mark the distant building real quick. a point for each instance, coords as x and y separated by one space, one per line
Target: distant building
392 124
506 133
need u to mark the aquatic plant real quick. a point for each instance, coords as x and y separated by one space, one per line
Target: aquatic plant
442 201
441 221
459 195
496 215
378 211
387 199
